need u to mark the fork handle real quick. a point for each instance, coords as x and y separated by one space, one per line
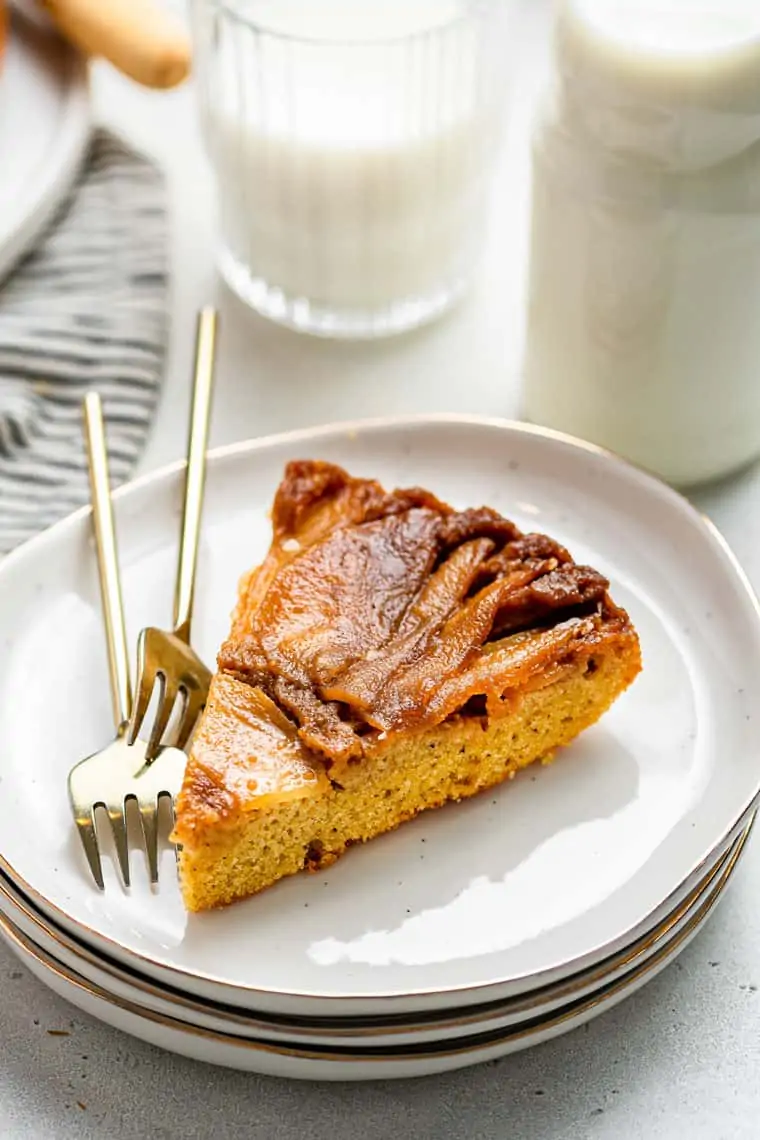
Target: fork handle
108 561
195 477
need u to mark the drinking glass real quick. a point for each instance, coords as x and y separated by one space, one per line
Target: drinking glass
353 143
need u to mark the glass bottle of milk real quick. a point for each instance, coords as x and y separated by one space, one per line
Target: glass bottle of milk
353 143
643 331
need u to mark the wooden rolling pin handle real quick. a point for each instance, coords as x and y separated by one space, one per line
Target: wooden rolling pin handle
139 37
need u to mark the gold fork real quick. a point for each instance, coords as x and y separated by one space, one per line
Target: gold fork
165 658
118 774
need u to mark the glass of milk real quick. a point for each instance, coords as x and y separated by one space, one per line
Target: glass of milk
353 143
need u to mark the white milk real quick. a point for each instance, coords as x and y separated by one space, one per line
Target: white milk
353 176
644 297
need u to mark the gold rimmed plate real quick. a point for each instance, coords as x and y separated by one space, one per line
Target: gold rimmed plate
514 891
358 1061
122 983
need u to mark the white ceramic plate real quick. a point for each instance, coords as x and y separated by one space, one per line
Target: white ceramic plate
124 984
44 127
315 1062
511 891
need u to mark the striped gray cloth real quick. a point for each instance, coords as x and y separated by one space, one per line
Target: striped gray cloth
87 309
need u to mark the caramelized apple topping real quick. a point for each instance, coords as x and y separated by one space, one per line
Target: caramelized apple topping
381 612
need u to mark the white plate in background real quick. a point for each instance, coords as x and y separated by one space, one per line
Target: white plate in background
44 128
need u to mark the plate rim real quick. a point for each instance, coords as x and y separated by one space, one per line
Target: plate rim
350 428
557 1022
387 423
447 1022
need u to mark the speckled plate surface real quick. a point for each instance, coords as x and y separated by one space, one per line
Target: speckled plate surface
498 896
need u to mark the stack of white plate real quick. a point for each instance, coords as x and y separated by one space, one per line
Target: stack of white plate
472 932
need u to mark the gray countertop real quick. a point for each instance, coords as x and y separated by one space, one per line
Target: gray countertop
681 1058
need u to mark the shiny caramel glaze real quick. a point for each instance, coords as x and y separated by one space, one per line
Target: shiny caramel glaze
247 752
376 613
